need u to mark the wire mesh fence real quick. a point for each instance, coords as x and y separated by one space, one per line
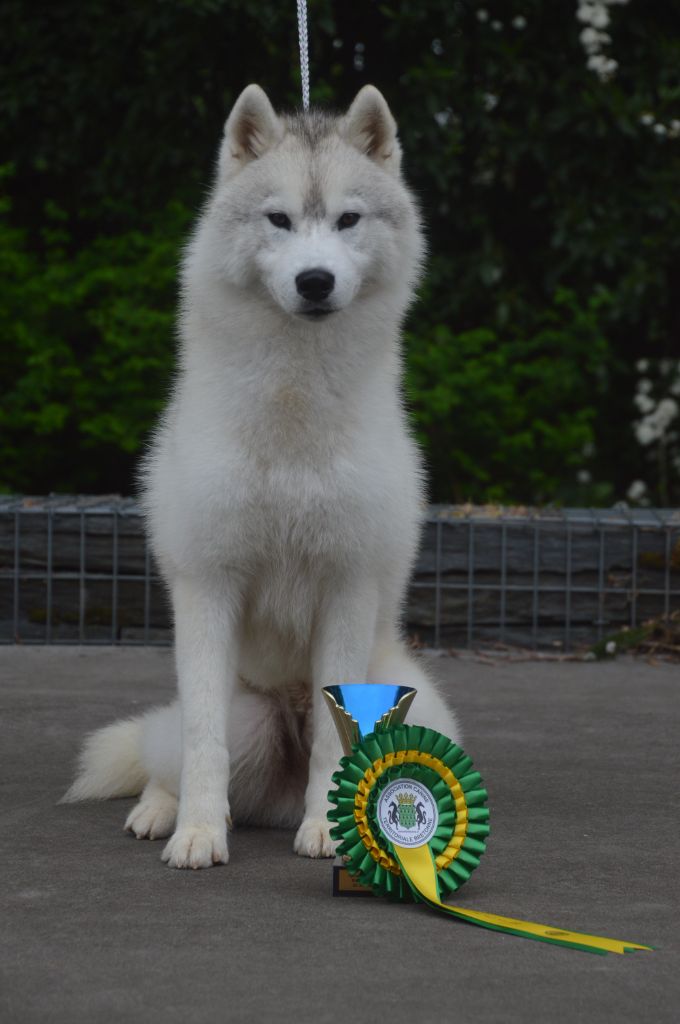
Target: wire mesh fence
78 570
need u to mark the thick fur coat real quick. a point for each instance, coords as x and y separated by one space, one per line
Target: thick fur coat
283 491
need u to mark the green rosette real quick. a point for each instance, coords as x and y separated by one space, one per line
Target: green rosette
408 753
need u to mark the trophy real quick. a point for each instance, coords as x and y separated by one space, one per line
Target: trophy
408 811
359 709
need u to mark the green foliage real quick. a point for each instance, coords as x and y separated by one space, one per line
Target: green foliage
552 210
88 346
509 417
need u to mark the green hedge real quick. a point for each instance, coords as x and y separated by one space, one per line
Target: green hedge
552 209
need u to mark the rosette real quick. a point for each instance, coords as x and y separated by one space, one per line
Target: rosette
408 812
407 787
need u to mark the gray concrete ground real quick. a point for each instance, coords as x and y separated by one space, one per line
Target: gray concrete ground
581 763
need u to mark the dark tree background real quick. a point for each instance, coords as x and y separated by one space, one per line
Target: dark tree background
543 355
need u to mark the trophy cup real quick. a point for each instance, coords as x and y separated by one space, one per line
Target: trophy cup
361 708
357 710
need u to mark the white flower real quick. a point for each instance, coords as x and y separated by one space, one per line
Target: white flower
600 16
593 40
637 490
674 128
482 15
610 647
644 386
660 129
583 476
645 433
603 66
642 365
490 101
437 47
647 119
666 412
443 117
496 25
644 403
597 62
657 421
519 22
594 14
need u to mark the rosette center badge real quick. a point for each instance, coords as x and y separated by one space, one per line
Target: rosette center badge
407 813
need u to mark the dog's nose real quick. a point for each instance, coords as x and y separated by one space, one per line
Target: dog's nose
315 285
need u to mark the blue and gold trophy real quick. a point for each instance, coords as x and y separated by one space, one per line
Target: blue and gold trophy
409 813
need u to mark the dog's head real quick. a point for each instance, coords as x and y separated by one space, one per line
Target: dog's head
312 207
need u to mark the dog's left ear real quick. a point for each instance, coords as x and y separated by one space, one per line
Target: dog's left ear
369 126
251 129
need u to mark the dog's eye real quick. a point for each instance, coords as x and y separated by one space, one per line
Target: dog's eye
348 220
279 220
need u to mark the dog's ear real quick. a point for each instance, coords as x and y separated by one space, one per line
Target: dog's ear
369 126
251 129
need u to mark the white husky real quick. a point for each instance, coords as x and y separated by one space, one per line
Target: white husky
283 490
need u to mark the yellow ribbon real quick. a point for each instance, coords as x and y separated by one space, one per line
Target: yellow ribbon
419 869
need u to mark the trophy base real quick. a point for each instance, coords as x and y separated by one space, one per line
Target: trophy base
344 884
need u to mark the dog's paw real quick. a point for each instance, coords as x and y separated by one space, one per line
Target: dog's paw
313 839
196 848
153 817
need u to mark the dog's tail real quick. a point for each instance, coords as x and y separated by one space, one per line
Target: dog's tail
110 764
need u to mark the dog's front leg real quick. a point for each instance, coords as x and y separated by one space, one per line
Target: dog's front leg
206 638
341 649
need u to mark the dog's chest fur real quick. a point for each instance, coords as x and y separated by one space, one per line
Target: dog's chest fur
277 483
309 512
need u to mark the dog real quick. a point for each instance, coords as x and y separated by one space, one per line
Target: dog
283 491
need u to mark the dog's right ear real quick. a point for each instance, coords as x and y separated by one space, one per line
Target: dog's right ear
251 129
